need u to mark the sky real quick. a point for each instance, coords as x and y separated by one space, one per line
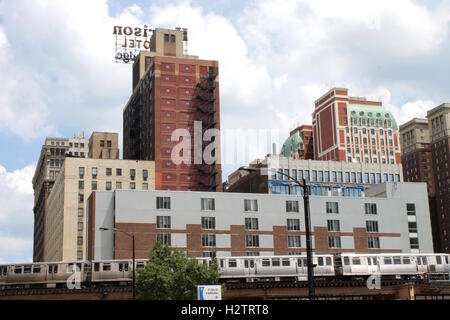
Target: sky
276 57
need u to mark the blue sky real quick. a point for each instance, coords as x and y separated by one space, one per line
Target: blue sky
276 57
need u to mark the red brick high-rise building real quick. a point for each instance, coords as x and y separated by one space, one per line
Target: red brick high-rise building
439 127
171 90
353 129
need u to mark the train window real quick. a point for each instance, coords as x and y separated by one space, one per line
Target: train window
221 263
320 259
17 270
419 261
446 259
346 261
140 265
369 261
387 260
397 260
285 262
106 267
406 260
37 270
424 261
120 267
125 266
27 269
265 262
232 263
328 260
275 262
356 261
305 262
246 263
299 262
78 267
96 267
252 263
55 269
438 259
70 268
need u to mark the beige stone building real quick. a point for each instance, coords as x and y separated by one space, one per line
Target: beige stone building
104 145
66 217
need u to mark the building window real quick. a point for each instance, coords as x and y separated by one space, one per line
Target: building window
251 224
108 144
108 171
80 226
208 204
132 174
332 207
163 222
118 185
252 240
94 185
370 208
144 174
208 223
80 241
132 185
80 198
118 172
81 171
164 238
145 186
208 254
80 184
102 143
163 203
208 240
294 241
291 206
314 175
333 225
293 224
334 242
79 255
108 185
373 242
372 226
80 212
94 173
250 205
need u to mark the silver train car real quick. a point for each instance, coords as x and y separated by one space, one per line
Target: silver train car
398 265
49 274
274 267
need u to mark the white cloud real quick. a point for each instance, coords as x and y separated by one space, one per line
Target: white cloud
16 214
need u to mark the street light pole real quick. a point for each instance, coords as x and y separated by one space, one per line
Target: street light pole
311 289
308 242
131 235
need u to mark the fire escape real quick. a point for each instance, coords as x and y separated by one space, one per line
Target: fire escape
205 112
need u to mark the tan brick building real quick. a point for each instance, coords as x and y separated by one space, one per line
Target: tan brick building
66 206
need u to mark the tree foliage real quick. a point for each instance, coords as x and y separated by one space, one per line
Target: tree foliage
171 275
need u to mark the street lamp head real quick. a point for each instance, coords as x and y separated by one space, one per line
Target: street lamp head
248 169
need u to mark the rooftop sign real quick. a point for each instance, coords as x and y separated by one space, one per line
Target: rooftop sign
130 41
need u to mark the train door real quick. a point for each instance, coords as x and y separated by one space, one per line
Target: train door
372 265
249 267
422 264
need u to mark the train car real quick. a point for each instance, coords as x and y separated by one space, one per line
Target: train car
394 265
58 273
3 273
273 267
115 271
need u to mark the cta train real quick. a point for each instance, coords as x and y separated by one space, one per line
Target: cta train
327 267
